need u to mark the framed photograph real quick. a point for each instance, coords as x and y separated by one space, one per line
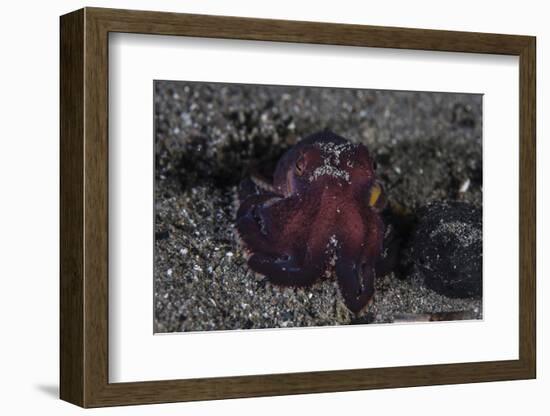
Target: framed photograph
255 207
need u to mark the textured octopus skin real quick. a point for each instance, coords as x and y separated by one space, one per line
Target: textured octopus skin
321 213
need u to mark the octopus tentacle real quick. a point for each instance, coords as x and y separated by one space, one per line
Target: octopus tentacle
274 225
286 270
356 282
250 187
356 263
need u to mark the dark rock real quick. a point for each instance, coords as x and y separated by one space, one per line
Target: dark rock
447 248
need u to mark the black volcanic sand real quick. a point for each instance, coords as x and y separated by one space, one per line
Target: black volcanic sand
207 137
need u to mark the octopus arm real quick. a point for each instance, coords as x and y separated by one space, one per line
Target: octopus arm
285 270
275 230
357 257
253 186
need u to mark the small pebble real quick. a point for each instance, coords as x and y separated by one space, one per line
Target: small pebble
464 187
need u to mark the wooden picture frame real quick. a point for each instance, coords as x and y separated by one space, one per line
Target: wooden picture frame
84 207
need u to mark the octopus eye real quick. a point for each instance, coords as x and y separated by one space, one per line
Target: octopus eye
300 166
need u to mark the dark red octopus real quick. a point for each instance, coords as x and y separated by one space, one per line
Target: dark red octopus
322 213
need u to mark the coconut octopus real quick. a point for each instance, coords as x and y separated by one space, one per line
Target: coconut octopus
320 216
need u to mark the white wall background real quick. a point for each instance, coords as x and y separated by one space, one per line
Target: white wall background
29 85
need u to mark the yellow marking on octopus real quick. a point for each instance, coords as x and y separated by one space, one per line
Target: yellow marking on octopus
375 193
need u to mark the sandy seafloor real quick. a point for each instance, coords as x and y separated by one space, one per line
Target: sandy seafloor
427 146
